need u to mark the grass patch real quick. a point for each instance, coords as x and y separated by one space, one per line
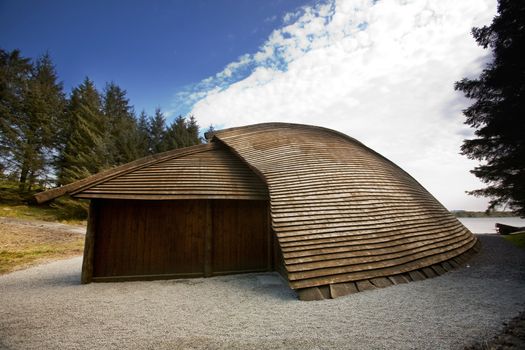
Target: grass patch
24 211
33 212
518 239
22 246
15 204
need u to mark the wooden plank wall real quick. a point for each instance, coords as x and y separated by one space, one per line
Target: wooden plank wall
341 211
185 238
89 243
139 238
240 236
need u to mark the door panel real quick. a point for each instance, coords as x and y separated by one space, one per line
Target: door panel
150 238
135 239
240 236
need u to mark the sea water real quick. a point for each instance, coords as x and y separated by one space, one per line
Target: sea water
488 225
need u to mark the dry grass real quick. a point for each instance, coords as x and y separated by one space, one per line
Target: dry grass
22 246
31 212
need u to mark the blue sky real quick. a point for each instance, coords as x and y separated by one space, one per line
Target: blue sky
153 49
382 72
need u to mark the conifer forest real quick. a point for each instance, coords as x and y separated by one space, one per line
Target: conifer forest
50 137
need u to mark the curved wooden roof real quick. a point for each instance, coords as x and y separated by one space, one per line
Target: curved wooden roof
197 172
346 218
212 173
341 211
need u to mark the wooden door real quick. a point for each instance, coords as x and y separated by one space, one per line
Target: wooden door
150 238
186 238
241 236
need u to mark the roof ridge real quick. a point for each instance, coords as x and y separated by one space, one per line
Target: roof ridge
269 125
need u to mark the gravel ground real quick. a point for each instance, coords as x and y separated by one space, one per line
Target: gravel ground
512 337
45 307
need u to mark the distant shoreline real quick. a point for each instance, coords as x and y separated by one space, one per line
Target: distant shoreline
481 214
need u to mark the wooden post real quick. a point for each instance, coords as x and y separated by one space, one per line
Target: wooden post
269 235
208 240
89 245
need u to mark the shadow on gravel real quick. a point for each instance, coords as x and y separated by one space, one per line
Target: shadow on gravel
267 284
63 280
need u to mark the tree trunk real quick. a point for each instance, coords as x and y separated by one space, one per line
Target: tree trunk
23 177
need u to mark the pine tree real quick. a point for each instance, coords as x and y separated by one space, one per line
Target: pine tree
498 114
157 133
45 103
33 101
208 134
176 135
193 131
86 151
15 72
143 135
182 133
122 133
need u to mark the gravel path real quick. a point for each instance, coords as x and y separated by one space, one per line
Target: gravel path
55 226
45 307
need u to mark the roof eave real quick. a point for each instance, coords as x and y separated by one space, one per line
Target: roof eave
95 179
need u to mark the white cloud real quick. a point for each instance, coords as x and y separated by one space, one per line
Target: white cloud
270 19
382 73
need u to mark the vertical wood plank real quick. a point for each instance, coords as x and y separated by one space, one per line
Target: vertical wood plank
89 244
141 238
208 243
269 234
240 236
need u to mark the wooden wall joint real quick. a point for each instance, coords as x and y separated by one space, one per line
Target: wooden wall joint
89 245
208 240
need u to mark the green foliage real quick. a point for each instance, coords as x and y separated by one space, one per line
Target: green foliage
498 113
48 138
157 133
208 134
10 193
31 102
122 131
15 71
518 239
182 133
14 203
482 214
143 135
68 208
85 152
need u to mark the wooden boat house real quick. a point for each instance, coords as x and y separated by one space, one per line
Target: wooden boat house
331 215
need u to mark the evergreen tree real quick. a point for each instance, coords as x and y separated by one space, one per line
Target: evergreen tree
177 135
157 133
15 72
498 114
85 152
122 133
182 133
45 105
193 131
143 135
43 135
208 134
33 104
